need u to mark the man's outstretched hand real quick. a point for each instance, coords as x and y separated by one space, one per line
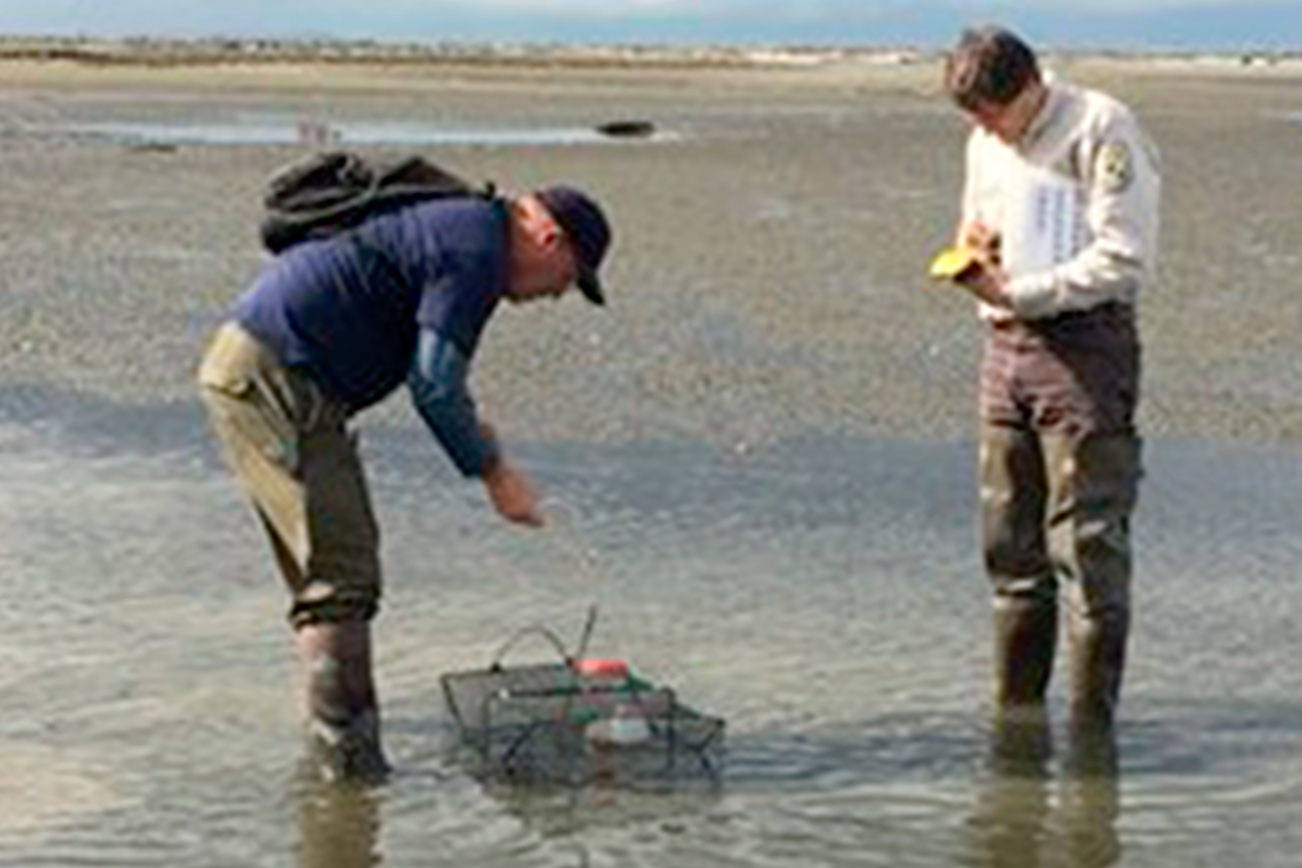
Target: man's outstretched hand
512 494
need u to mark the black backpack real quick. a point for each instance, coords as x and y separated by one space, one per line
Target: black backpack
330 191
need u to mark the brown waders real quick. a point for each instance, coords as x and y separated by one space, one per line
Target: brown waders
286 442
1059 472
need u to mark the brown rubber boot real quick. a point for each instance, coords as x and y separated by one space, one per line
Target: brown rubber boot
1097 654
1012 537
1026 630
1094 485
343 718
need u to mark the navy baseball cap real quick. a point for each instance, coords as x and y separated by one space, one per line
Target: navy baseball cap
585 225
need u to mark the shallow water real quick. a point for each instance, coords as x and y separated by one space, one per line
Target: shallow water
263 130
822 594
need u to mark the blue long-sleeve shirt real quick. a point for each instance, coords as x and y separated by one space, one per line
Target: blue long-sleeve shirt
351 310
437 382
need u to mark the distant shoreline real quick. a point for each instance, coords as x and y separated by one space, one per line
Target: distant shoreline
169 52
148 51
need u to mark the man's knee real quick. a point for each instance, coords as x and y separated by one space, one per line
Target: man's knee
1012 504
1095 487
319 603
1094 476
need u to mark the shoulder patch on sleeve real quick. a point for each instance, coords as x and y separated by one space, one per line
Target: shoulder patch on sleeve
1114 167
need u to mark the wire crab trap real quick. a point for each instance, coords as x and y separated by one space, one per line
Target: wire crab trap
578 720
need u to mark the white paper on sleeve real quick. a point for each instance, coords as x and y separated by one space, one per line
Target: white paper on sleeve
1044 224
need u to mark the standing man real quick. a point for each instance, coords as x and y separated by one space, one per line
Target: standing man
1060 214
332 326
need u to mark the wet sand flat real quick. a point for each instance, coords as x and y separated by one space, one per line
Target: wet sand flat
767 278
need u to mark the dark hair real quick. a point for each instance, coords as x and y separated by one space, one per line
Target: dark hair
989 64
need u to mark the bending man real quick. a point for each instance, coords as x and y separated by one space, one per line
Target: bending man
332 326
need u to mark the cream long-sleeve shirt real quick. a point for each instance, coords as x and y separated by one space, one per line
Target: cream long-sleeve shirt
1093 144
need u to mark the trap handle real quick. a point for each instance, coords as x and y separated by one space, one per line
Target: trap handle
510 643
566 657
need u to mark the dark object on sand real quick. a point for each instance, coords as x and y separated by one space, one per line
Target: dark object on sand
151 148
578 720
627 129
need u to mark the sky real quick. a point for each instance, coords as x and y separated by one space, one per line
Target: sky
1121 24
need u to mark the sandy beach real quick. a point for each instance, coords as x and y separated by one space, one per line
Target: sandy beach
759 461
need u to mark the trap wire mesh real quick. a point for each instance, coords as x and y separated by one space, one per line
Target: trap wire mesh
577 720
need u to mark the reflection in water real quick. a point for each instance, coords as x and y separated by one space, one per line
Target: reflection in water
560 810
1012 796
1015 823
1088 800
338 824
